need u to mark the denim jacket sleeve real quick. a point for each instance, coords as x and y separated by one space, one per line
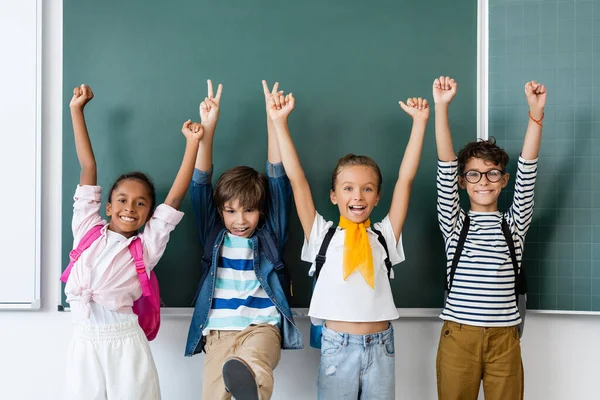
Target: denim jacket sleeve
278 203
201 194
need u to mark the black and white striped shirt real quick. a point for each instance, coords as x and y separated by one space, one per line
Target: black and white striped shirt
483 290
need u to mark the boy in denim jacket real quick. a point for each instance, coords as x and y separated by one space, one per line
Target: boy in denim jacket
242 318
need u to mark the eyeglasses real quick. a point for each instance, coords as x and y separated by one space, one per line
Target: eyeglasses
493 175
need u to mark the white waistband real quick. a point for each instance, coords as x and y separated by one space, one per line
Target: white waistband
107 332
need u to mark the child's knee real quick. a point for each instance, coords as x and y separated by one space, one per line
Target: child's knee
263 348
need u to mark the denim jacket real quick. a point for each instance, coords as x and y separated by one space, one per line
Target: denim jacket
276 219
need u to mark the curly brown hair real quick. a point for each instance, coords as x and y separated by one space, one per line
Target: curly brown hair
244 184
486 150
351 160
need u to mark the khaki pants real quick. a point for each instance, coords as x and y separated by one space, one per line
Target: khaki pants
467 354
258 345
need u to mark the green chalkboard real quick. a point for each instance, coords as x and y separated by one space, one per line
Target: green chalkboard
555 46
347 62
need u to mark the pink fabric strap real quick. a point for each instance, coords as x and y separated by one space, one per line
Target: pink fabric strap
137 252
85 242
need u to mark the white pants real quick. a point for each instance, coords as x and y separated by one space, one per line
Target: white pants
111 362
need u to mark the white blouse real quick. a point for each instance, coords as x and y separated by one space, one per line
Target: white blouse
351 300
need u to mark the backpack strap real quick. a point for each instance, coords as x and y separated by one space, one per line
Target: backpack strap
320 260
211 238
513 255
86 241
381 239
207 256
269 247
268 243
459 247
137 252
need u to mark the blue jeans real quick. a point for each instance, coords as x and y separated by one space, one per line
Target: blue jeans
357 366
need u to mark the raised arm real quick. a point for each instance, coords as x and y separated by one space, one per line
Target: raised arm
418 109
81 96
280 107
444 89
193 132
273 154
209 116
536 98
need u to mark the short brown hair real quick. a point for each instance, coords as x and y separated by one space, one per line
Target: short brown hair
351 160
244 184
486 150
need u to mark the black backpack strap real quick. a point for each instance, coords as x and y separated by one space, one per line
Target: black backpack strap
513 255
381 239
269 247
268 244
459 247
207 256
211 238
320 260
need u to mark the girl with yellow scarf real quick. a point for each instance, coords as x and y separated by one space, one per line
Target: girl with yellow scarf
352 298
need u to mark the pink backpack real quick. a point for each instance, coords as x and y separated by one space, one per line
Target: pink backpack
146 307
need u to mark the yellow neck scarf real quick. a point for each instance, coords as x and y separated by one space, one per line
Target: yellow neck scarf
357 250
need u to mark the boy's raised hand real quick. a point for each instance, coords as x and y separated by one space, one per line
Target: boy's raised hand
81 96
192 130
416 107
268 93
444 89
209 108
536 96
280 106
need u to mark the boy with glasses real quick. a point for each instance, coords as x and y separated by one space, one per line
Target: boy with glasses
480 337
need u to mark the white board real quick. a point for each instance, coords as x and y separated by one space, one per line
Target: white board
20 153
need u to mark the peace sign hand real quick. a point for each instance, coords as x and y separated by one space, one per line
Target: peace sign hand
209 108
268 93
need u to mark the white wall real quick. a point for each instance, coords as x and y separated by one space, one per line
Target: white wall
561 353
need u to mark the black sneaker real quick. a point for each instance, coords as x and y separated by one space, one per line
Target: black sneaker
239 379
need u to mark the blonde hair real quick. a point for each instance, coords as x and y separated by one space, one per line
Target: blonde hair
352 160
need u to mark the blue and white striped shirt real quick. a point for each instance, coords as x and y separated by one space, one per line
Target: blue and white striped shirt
483 290
239 300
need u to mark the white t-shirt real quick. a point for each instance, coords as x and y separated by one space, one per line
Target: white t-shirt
351 300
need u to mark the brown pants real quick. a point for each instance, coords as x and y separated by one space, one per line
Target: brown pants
258 345
467 354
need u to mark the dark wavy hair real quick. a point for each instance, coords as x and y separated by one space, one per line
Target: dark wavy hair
486 150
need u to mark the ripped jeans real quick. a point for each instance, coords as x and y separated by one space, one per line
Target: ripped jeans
357 366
